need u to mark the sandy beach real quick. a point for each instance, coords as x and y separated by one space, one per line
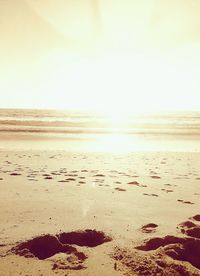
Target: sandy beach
99 138
99 214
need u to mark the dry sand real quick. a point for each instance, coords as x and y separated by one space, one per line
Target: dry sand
99 214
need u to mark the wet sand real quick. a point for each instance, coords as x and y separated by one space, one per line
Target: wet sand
99 214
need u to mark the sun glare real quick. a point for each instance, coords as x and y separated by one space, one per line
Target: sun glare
110 84
116 85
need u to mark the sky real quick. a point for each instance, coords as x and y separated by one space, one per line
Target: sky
106 55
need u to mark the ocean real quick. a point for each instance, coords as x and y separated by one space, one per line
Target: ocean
71 130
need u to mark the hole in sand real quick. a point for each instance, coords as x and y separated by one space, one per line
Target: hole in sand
90 238
46 246
42 247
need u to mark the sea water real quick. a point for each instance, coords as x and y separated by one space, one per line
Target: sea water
92 131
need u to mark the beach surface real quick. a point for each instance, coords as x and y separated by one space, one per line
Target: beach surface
65 213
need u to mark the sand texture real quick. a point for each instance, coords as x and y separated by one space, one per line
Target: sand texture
99 214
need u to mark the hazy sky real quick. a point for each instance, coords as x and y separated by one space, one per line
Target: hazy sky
135 55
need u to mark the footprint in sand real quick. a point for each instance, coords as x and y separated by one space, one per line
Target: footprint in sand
185 202
70 179
155 195
178 248
155 177
190 229
175 247
149 228
120 189
55 173
167 191
117 182
48 177
134 183
15 174
99 175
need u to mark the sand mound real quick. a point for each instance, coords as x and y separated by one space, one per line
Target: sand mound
135 263
72 262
